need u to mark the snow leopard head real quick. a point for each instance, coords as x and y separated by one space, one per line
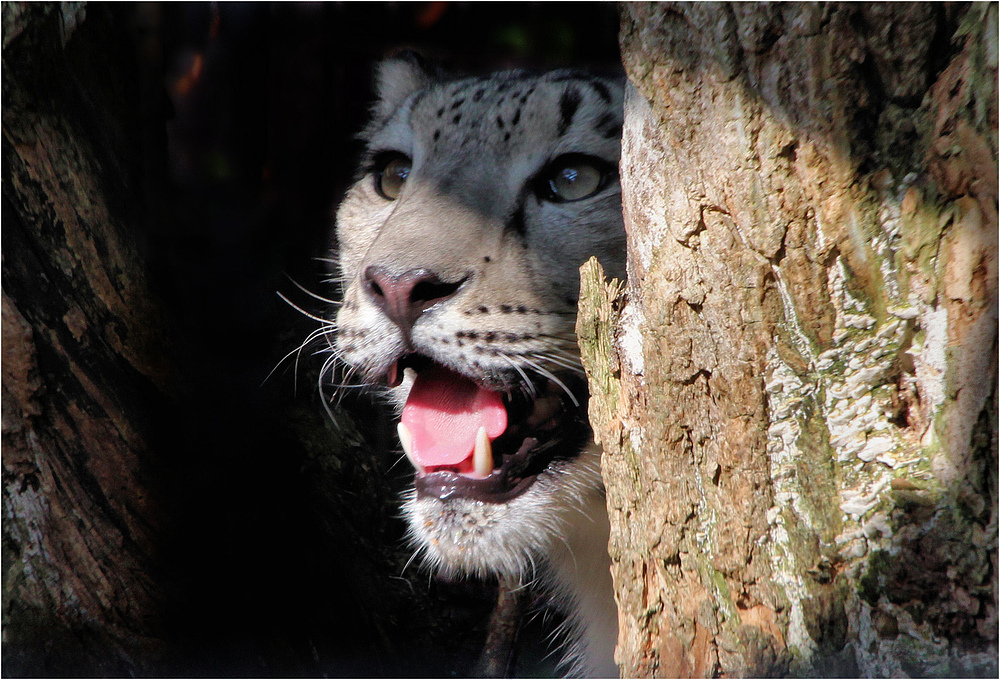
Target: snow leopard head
460 243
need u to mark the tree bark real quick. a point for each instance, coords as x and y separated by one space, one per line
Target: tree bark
796 391
83 361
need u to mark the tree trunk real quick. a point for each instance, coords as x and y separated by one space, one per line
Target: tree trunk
83 360
796 391
165 513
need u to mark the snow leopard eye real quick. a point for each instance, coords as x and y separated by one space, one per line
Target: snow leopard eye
574 177
390 176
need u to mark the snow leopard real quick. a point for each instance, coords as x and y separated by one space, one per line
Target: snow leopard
460 242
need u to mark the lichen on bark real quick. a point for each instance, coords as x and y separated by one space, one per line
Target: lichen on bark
807 342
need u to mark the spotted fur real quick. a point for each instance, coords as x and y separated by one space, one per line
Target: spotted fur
471 211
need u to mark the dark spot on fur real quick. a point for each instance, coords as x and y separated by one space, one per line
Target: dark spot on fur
505 309
517 117
516 221
500 122
569 102
472 335
511 337
601 90
478 95
457 118
460 343
437 135
506 136
503 87
457 103
599 87
440 112
490 337
483 309
521 309
486 258
416 101
616 131
524 99
604 121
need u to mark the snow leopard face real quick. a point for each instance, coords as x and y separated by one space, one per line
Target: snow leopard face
460 245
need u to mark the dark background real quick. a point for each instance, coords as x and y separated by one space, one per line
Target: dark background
286 553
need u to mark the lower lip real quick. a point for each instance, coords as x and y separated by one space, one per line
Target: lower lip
446 484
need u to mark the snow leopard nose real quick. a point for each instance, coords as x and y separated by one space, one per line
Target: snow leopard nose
405 297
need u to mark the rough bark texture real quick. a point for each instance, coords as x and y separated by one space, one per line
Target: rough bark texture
797 390
83 364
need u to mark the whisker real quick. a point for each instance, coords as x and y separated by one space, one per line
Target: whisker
554 379
416 553
527 383
321 331
559 535
312 294
534 569
294 306
322 393
402 457
325 379
347 386
570 352
351 372
298 352
559 362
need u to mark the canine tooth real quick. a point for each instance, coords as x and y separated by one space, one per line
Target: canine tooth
406 439
482 456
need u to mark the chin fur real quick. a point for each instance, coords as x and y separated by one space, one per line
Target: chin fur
463 536
555 533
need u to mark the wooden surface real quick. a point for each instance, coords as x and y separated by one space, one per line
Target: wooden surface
800 452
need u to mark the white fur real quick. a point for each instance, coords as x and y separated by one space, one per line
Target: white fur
580 579
557 531
453 217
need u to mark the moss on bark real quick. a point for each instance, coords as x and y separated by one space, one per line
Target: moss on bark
807 382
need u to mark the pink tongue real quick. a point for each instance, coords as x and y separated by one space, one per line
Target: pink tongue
443 413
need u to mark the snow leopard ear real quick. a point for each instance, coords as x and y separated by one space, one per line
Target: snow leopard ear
399 76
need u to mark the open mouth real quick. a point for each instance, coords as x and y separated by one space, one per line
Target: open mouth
469 441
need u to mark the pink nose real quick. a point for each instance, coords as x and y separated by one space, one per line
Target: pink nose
405 297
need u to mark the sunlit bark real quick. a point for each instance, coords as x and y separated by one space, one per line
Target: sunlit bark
798 393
